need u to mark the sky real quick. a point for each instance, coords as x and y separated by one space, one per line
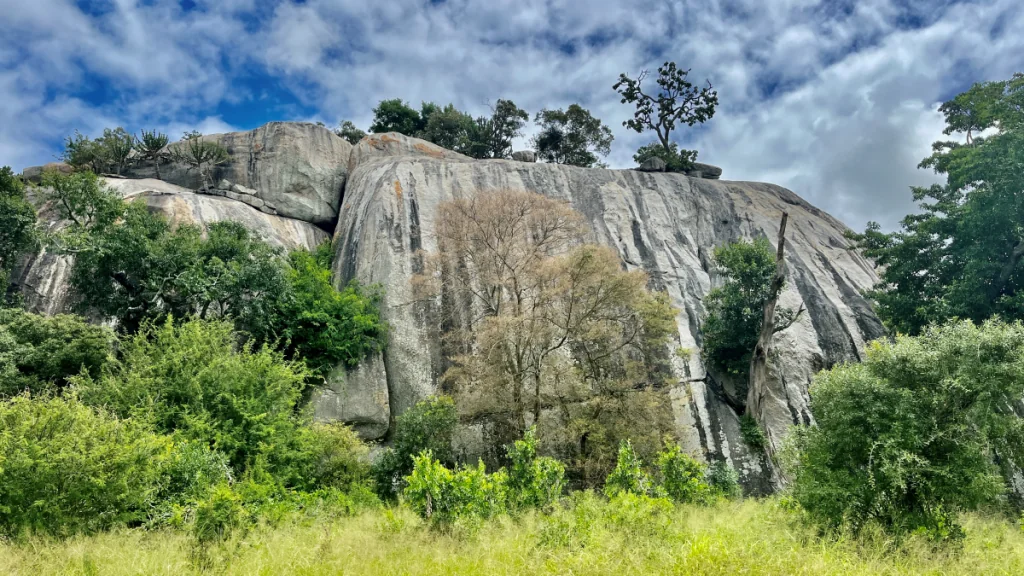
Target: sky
836 100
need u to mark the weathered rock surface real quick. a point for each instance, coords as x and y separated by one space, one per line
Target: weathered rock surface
357 396
298 167
701 170
43 277
666 224
34 174
524 156
654 164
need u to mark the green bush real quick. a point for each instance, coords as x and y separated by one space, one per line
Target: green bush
219 515
427 426
639 515
571 525
910 438
193 380
724 480
67 468
676 160
752 433
191 470
533 482
628 475
40 353
447 498
331 456
682 477
17 225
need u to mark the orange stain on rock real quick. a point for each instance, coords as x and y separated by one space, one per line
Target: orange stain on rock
398 189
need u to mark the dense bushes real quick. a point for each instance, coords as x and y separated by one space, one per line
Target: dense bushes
67 468
427 426
915 434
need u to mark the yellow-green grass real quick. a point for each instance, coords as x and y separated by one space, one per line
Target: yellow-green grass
733 538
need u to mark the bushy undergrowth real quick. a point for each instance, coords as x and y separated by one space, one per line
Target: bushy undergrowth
427 426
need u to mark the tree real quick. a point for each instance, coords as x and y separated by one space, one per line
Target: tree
960 256
676 101
395 116
116 148
17 224
917 433
83 153
196 152
429 426
542 301
676 160
571 137
450 128
151 147
505 124
348 131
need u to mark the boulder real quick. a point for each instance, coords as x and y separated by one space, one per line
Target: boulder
34 174
653 164
43 278
707 171
393 144
667 226
524 156
357 396
298 166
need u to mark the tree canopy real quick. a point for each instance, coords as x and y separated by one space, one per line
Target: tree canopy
960 256
17 224
571 136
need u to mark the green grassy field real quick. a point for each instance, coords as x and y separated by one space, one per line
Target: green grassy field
732 538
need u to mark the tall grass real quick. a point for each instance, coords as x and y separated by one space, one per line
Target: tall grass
747 537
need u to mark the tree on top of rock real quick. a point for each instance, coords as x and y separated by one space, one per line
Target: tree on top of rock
675 101
348 130
505 124
151 147
396 116
571 137
201 154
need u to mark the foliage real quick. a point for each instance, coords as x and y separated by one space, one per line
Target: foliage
533 482
451 128
325 326
193 380
445 497
676 160
151 147
505 124
735 310
41 353
959 256
628 475
396 116
116 148
190 471
427 426
910 438
348 130
17 224
218 515
331 455
199 153
752 433
682 477
676 101
67 468
724 480
571 137
83 153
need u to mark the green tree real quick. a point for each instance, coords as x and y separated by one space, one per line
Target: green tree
17 224
505 124
200 154
571 136
915 434
396 116
676 160
427 426
450 128
42 352
348 130
675 101
84 153
68 468
116 148
960 256
151 147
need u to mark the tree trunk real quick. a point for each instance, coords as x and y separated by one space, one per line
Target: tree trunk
759 392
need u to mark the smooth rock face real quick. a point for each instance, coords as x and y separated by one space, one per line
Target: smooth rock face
524 156
298 167
43 277
666 224
654 164
357 396
34 174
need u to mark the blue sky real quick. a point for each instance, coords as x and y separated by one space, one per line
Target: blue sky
835 100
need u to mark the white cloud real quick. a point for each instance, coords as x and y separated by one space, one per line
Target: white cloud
836 100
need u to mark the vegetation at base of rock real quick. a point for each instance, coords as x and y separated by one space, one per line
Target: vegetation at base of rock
734 311
917 433
676 160
572 136
959 256
675 101
429 426
39 354
17 225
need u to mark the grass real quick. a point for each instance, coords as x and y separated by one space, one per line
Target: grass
748 537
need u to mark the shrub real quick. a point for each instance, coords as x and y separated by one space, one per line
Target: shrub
67 468
190 472
682 477
533 482
572 525
752 432
330 456
910 438
218 515
429 425
639 515
192 379
42 352
628 475
17 225
444 497
724 480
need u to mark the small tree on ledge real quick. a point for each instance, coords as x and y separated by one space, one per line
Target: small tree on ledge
195 152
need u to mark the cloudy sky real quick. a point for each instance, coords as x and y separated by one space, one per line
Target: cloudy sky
833 99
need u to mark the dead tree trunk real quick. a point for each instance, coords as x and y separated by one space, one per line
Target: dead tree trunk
759 392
